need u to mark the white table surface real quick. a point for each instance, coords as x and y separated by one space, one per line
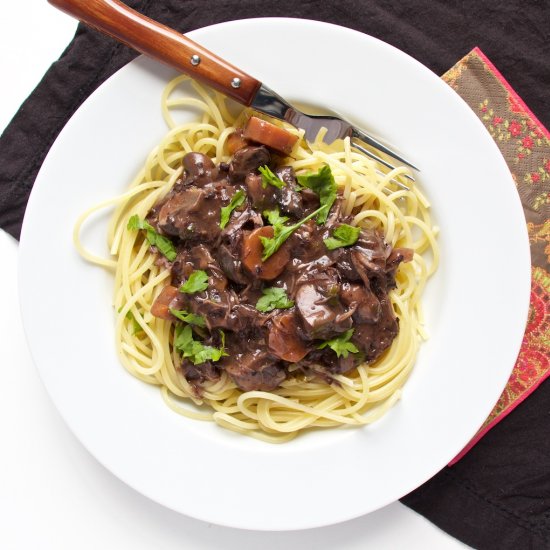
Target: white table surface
53 493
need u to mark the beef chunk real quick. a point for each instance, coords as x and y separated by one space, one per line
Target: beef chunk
199 168
193 213
321 313
246 160
363 301
374 338
198 374
255 370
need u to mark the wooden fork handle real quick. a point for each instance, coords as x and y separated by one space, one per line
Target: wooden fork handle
163 44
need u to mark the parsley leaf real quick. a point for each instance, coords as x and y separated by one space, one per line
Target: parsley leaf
135 223
322 183
136 327
274 217
273 298
194 350
236 201
268 177
344 235
282 233
164 244
196 282
341 345
190 318
183 338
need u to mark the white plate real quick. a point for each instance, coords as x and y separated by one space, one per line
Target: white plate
476 305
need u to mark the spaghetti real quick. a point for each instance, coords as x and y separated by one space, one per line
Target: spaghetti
145 343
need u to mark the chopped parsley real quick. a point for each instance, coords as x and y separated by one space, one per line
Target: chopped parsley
322 183
164 245
344 235
136 327
274 217
341 345
282 233
273 298
236 201
194 350
196 282
189 318
268 177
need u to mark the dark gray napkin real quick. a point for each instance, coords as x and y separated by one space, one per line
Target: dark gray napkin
498 496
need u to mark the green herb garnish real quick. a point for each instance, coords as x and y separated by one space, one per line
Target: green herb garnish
322 183
282 233
273 298
136 327
341 345
268 177
344 235
189 318
236 201
274 217
194 350
196 282
164 245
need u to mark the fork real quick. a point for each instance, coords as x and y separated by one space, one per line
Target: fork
172 48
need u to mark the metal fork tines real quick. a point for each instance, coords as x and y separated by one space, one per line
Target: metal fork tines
338 128
270 103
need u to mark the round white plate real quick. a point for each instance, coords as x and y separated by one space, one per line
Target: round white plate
476 305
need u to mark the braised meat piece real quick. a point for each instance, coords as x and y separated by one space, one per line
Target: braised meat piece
307 242
198 374
198 258
322 315
247 160
199 169
288 199
255 370
374 338
177 215
321 312
262 197
324 363
193 213
364 303
229 258
215 306
369 256
344 264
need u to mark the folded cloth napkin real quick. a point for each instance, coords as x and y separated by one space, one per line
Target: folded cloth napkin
497 494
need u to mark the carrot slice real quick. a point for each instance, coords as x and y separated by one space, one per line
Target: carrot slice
161 306
270 135
284 341
252 255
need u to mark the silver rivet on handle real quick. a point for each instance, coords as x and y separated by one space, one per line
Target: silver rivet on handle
236 82
195 60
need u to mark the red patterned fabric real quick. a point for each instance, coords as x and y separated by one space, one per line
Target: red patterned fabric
525 145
